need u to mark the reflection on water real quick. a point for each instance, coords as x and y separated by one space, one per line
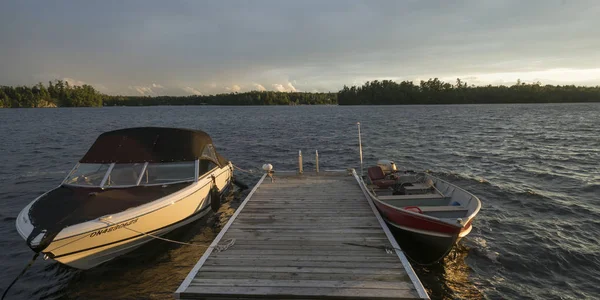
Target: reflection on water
449 278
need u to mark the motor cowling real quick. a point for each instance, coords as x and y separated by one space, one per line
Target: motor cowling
387 166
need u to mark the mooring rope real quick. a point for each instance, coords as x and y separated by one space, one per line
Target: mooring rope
154 236
242 170
35 256
217 247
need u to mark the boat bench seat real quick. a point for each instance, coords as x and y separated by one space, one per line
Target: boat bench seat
418 186
442 208
408 197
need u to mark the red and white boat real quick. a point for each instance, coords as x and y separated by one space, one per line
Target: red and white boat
428 214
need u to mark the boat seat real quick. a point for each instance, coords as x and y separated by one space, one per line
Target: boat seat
378 178
447 211
408 197
442 208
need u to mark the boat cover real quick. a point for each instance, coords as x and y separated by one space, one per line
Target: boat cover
152 144
68 205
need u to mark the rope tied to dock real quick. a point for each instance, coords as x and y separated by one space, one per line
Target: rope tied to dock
243 170
218 248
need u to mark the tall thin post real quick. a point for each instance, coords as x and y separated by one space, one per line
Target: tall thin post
360 149
317 160
300 162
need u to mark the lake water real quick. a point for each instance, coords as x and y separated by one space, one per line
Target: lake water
535 167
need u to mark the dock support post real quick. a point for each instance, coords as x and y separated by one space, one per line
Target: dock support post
317 160
300 171
360 150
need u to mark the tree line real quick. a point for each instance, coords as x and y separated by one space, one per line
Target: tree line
60 93
57 93
435 91
246 98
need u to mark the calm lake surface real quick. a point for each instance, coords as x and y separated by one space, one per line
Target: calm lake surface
536 169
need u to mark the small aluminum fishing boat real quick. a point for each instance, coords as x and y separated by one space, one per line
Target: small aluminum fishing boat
131 186
431 215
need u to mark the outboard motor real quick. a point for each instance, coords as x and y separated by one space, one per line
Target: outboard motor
387 166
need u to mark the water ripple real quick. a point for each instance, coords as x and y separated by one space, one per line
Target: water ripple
535 168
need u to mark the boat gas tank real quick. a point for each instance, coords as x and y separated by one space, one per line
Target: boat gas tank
387 166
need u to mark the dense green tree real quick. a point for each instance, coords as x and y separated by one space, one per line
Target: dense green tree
58 93
435 91
247 98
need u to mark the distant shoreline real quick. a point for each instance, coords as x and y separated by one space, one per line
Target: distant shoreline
432 92
275 105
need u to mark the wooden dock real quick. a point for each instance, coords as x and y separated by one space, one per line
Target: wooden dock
304 237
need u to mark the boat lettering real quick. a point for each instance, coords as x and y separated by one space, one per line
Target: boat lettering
113 228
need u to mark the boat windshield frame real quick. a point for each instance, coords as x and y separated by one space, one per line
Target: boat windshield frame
107 174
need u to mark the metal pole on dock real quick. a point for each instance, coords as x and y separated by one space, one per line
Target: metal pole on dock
317 160
360 149
300 162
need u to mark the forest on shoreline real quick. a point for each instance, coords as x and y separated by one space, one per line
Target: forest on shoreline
59 93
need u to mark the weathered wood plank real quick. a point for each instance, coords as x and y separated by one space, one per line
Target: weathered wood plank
314 214
302 283
282 292
304 239
291 226
292 256
373 245
298 269
217 261
238 252
303 231
400 276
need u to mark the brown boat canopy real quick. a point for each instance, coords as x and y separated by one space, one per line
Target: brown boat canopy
153 145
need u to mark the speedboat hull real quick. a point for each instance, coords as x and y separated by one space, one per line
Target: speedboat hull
89 244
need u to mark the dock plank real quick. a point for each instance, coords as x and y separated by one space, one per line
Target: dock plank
203 292
303 237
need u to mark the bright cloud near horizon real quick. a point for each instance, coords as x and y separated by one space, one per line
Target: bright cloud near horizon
206 47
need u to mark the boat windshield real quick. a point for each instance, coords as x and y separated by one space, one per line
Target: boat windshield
87 175
163 173
124 175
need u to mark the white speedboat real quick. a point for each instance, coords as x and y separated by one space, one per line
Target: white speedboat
131 186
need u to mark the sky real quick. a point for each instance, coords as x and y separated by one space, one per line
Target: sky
205 47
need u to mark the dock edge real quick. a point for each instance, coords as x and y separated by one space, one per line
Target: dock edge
188 279
409 270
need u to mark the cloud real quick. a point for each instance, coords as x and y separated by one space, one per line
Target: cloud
192 91
148 90
233 88
259 87
288 87
142 90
